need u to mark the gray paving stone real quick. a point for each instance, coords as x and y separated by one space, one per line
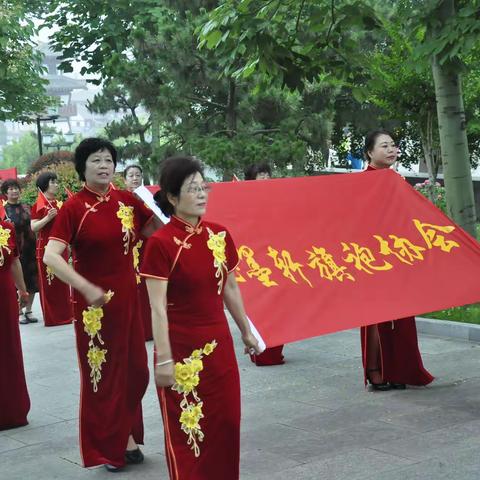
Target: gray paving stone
309 419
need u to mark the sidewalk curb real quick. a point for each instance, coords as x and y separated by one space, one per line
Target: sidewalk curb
443 328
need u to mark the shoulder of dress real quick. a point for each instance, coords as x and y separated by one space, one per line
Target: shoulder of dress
214 227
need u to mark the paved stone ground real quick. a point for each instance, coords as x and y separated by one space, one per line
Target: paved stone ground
309 419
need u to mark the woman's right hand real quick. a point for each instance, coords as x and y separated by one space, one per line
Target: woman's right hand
165 375
94 295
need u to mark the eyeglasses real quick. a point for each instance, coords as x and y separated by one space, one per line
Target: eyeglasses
195 190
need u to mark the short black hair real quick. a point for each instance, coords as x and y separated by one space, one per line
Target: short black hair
129 168
86 148
252 171
43 180
9 182
370 140
173 173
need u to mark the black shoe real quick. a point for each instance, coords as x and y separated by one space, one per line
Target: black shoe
30 319
112 468
23 320
398 386
379 387
134 456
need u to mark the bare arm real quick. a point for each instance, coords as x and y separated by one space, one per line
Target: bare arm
152 226
234 303
157 293
37 225
53 258
17 274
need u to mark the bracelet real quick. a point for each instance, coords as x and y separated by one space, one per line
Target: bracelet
166 362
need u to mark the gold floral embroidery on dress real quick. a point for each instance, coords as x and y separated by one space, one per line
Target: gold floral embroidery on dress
216 243
4 238
183 244
136 260
59 204
187 379
49 274
92 324
125 214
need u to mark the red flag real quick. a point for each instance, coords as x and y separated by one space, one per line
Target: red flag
42 201
340 251
8 173
68 192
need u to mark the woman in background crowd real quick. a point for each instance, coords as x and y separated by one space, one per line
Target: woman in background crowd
390 353
272 355
54 294
133 176
19 215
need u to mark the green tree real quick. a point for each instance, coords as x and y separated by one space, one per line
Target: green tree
21 153
22 92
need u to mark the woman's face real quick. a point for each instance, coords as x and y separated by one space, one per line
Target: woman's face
262 176
133 179
99 169
192 200
13 194
52 187
384 153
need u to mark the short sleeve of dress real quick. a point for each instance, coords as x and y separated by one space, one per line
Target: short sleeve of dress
231 253
35 213
65 225
156 260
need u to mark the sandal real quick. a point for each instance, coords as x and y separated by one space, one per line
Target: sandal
30 318
381 387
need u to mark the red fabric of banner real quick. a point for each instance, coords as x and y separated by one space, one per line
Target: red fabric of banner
328 253
8 173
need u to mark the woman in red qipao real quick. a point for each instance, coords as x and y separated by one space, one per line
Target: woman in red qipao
55 295
390 353
102 225
133 176
271 355
14 399
189 265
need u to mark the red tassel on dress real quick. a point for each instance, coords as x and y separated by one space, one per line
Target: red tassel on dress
14 399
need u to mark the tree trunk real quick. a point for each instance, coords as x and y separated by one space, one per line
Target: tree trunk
428 152
453 137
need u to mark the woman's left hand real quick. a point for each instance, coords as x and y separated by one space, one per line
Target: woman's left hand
251 344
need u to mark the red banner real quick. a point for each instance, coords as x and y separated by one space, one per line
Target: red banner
8 173
328 253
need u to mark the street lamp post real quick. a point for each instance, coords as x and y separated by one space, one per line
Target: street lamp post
39 119
47 140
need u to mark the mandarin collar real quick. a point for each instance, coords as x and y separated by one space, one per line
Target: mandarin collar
101 197
186 226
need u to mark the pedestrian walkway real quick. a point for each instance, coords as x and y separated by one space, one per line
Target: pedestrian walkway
308 419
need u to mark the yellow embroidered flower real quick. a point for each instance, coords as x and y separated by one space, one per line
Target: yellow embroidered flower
216 243
96 358
125 214
4 238
209 347
197 353
136 259
49 274
92 320
190 417
187 378
59 204
197 365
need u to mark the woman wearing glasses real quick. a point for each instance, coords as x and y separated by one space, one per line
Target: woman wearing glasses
189 266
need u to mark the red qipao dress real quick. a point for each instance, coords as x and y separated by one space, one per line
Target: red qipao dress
14 399
102 230
400 359
55 296
201 412
145 310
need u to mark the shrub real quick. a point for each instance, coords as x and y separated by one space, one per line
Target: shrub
435 192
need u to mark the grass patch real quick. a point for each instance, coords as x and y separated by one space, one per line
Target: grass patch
465 314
